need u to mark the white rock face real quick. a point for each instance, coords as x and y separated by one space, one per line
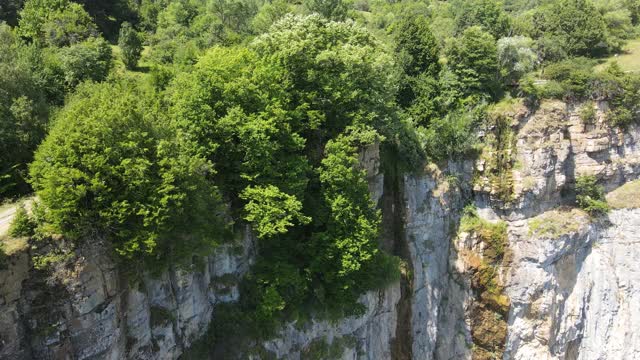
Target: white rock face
432 211
96 314
577 296
572 297
371 334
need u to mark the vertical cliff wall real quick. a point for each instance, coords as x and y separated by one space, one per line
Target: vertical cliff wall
86 309
568 282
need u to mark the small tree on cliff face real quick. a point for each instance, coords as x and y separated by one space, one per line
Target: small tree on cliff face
130 44
590 196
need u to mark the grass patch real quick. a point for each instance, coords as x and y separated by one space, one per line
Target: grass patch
12 245
508 105
626 196
555 223
629 60
493 235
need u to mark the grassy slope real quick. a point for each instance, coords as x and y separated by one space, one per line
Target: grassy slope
629 60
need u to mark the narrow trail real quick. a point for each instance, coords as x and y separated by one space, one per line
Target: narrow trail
8 211
6 215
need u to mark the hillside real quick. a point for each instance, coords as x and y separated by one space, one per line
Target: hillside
323 179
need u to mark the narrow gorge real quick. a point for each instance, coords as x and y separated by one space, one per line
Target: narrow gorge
493 268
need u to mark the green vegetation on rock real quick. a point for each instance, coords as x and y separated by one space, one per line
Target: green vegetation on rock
110 167
490 306
626 196
555 223
21 225
590 196
234 113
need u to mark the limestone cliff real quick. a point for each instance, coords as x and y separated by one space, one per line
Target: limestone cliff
525 275
569 281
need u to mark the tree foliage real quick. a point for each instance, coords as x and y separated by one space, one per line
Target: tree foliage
574 25
330 9
516 58
130 43
110 169
55 22
488 14
272 119
473 58
88 60
23 111
272 211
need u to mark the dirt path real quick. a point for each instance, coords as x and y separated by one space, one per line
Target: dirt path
6 215
8 211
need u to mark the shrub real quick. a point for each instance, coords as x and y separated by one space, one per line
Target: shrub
452 136
3 256
590 196
587 113
574 76
130 43
625 99
110 168
88 60
22 225
161 316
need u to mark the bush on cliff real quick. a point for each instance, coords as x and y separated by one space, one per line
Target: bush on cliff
590 196
110 167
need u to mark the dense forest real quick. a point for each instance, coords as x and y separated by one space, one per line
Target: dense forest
161 127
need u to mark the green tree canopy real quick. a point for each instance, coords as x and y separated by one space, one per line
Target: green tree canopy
516 58
575 25
109 168
418 47
87 60
473 58
487 14
336 72
23 111
272 120
55 22
130 43
330 9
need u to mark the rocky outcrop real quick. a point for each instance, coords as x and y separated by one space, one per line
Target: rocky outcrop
570 282
368 336
87 309
433 203
576 296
